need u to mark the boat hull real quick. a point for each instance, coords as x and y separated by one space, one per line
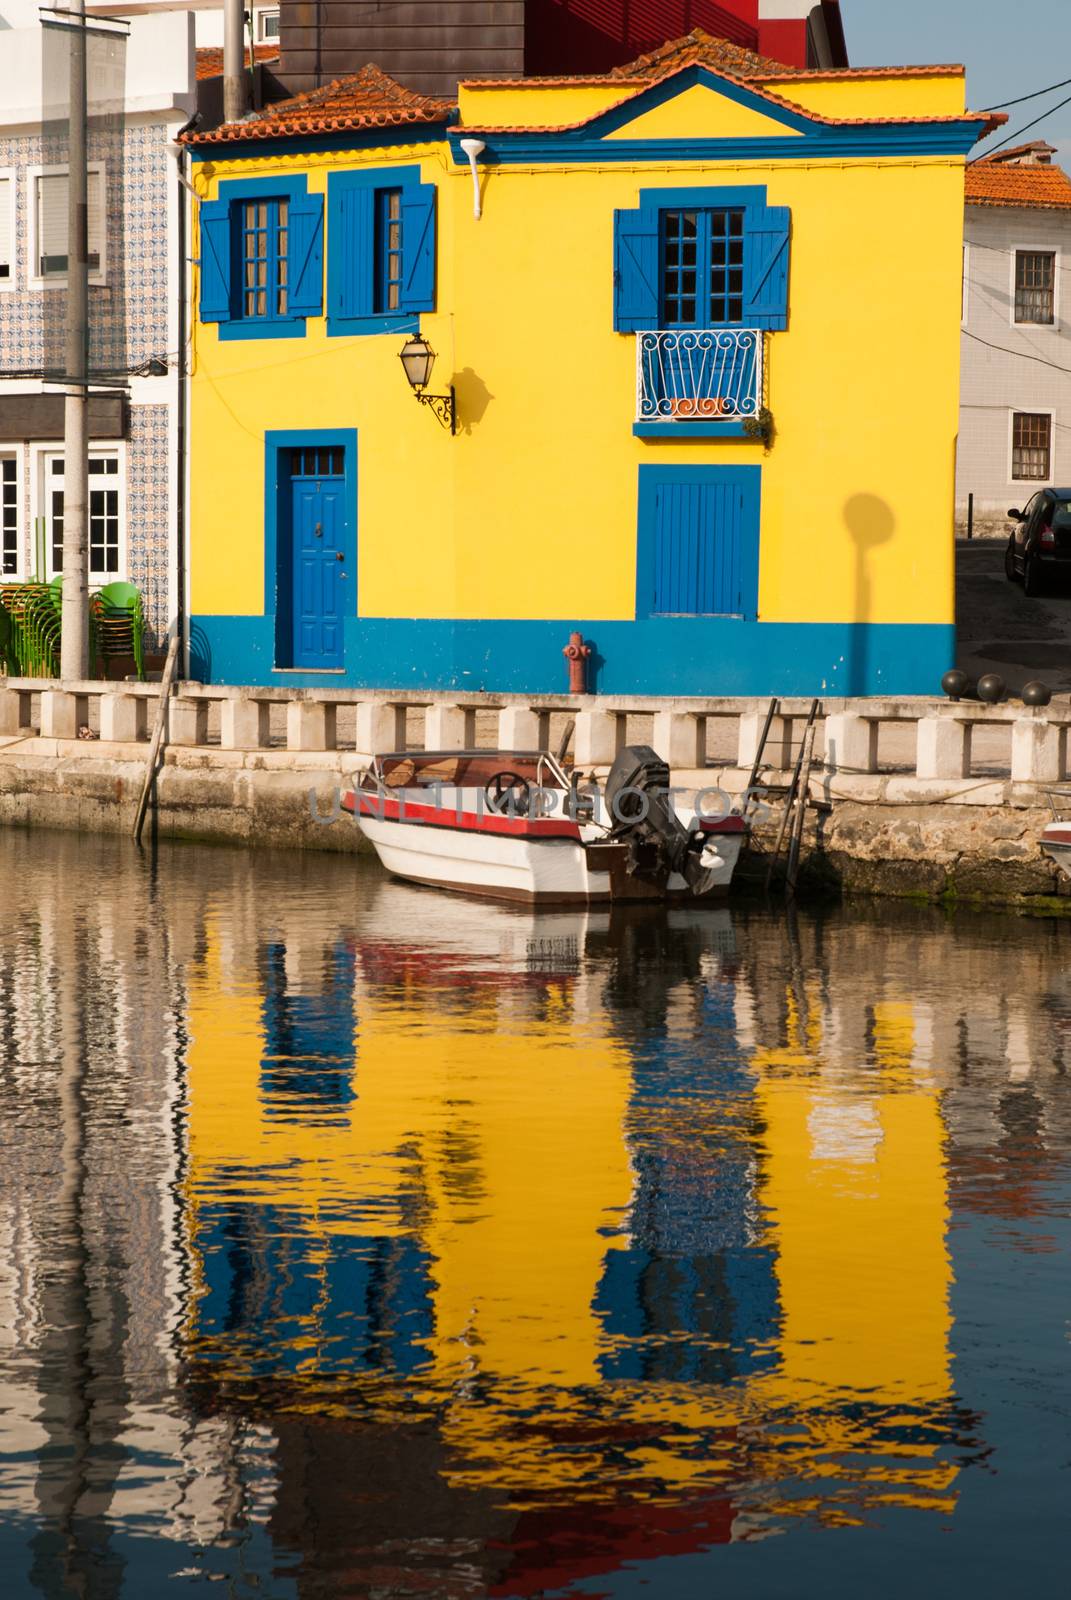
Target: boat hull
528 870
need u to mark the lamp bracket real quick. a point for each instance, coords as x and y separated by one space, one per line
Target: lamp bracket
443 406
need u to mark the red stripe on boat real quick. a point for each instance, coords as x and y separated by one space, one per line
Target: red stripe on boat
723 824
371 805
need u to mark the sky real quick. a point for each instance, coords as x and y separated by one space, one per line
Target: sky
1009 47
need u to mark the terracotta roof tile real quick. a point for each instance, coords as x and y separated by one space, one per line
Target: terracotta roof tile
362 100
991 183
210 58
1013 152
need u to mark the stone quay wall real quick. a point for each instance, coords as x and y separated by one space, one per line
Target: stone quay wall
918 797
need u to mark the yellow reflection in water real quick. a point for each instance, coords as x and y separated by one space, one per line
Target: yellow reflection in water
489 1118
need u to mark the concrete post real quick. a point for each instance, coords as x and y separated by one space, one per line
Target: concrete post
59 715
1039 751
595 739
778 752
447 727
120 718
851 743
187 721
519 728
244 724
680 737
310 725
11 713
380 727
943 749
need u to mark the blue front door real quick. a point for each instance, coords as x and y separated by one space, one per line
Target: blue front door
320 580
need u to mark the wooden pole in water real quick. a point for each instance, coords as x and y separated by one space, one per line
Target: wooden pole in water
157 734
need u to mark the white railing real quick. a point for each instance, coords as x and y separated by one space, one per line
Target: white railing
909 751
699 375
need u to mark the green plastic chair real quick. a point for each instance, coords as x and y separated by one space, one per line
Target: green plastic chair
118 625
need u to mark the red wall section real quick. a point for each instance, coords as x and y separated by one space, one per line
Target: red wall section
592 35
784 41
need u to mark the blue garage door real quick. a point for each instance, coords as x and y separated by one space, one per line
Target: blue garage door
698 542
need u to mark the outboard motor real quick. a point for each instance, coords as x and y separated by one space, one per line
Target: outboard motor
640 814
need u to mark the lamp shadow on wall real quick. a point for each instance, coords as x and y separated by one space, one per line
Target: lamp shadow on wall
472 397
200 655
871 522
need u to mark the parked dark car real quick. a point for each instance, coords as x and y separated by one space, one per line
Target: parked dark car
1040 544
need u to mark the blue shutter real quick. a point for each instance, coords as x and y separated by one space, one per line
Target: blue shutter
350 245
418 247
698 544
305 256
766 267
636 270
215 261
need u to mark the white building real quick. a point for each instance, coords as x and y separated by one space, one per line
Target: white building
1015 418
143 88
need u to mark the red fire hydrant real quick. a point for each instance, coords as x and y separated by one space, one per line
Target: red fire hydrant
576 652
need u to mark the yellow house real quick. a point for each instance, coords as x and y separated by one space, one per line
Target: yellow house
694 388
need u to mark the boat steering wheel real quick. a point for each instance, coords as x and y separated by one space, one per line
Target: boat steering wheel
508 794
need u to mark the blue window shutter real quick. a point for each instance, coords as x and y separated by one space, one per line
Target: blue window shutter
215 261
351 242
636 275
305 256
766 267
418 248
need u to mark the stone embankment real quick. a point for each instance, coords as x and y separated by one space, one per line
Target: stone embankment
912 797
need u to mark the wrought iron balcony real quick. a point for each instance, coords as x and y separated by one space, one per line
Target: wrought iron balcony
698 375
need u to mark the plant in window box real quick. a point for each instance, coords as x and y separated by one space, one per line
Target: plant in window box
760 427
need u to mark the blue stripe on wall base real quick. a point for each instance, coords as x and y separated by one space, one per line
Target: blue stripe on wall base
654 656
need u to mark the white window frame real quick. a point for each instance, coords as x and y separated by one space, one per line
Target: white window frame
41 456
34 279
1047 249
1032 411
266 38
16 450
11 173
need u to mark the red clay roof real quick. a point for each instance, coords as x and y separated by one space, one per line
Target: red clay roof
210 58
1013 152
991 183
365 99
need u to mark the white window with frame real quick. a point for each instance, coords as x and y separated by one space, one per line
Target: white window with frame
106 531
7 228
48 224
1035 281
10 499
268 27
1031 446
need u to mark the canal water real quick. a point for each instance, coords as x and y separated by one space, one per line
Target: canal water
356 1240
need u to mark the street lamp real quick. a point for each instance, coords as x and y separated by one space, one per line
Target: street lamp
418 358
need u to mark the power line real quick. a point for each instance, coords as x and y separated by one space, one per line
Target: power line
1012 137
1020 355
1004 104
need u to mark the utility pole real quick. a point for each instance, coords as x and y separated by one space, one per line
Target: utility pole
74 645
234 81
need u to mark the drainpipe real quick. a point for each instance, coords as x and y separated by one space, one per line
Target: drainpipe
234 85
178 151
474 148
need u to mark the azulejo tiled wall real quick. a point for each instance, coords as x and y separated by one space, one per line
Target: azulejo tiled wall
128 313
147 513
128 326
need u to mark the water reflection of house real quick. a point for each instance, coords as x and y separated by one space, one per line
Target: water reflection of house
613 1279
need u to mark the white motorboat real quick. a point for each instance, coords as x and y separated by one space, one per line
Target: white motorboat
1056 843
517 825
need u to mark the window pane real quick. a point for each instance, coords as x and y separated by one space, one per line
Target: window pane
1035 279
1031 445
9 527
